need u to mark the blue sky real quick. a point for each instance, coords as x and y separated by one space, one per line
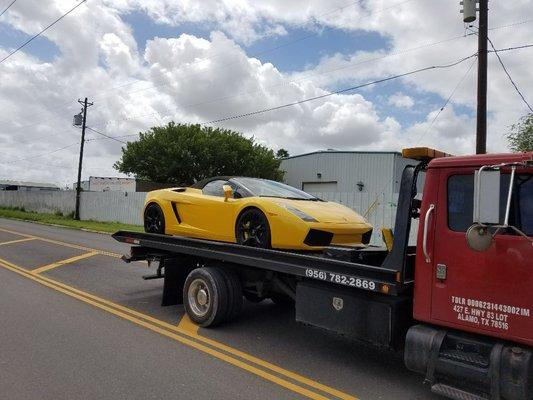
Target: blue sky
132 94
40 47
300 49
303 48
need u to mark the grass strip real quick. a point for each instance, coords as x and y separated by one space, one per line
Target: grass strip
66 220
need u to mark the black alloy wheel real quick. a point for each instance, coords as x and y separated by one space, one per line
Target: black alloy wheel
154 220
252 229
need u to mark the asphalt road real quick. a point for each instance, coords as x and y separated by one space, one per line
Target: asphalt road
78 323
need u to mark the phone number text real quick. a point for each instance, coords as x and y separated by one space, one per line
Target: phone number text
341 279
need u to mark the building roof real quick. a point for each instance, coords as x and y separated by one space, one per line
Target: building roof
28 184
112 177
342 152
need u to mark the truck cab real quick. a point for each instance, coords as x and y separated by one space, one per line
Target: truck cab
474 274
483 291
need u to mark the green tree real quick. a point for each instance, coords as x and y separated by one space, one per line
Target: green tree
184 154
282 153
521 135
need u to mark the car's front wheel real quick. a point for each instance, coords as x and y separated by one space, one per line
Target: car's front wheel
154 219
252 229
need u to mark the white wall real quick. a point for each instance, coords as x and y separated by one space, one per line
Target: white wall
112 206
98 206
39 201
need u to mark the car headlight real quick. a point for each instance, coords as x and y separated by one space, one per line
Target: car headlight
300 214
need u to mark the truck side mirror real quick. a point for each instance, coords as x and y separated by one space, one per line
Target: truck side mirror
486 208
228 192
487 197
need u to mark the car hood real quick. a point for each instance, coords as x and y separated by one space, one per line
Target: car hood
324 211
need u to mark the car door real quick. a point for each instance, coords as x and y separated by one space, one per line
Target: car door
211 215
484 291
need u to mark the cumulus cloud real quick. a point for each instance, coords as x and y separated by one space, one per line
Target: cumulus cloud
401 100
192 79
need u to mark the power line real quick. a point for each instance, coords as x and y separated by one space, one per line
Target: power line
509 75
41 32
114 137
8 7
525 46
105 135
446 102
39 155
349 89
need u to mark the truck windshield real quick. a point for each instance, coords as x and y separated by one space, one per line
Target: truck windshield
461 200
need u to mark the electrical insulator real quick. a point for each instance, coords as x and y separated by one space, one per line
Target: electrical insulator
468 10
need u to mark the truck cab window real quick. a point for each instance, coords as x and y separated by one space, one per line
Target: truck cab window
523 203
461 202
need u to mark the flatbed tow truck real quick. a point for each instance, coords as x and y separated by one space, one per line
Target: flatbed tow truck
458 304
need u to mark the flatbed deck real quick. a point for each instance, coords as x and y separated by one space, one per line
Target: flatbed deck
318 267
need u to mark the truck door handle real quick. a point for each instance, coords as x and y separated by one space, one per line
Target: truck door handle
425 236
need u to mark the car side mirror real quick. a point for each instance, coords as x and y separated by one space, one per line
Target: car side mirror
487 197
228 192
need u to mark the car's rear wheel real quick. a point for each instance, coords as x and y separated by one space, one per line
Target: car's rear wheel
154 219
252 229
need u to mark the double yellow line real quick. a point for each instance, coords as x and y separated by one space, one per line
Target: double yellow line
188 336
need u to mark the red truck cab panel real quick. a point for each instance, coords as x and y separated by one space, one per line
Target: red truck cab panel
487 292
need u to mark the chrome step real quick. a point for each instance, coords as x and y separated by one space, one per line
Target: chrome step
454 393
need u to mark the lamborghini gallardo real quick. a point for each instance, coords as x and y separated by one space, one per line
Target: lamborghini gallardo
253 212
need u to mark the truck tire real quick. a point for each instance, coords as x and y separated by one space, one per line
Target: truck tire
235 301
205 296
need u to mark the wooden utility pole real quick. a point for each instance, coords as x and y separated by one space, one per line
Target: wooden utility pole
78 186
481 131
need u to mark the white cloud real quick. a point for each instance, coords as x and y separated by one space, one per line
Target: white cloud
192 79
401 100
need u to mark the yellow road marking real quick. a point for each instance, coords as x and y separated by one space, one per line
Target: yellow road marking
187 329
17 241
186 325
92 298
62 262
65 244
217 354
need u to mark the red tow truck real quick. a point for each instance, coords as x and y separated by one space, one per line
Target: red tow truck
458 303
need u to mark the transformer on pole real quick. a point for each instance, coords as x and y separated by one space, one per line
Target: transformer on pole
468 10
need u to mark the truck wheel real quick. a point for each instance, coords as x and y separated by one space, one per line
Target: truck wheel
205 296
154 219
234 286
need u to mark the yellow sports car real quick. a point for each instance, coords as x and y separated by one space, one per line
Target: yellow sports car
253 212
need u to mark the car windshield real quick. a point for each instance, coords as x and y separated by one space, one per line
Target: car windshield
266 188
